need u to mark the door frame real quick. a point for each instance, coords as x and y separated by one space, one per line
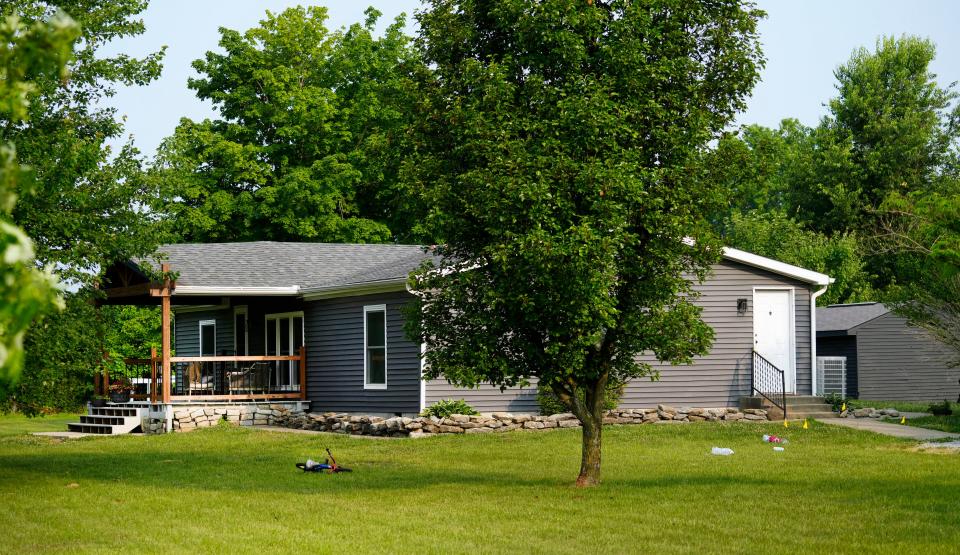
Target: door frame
237 310
200 325
266 333
790 374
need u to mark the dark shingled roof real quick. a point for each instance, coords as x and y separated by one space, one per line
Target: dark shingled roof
842 317
274 264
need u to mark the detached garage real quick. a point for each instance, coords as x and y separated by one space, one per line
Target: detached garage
866 351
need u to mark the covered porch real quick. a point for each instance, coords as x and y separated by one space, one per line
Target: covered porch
199 372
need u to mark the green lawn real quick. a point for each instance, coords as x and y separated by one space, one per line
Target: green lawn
225 489
902 406
13 424
942 423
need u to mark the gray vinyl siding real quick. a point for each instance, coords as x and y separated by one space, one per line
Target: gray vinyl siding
901 362
334 330
842 346
723 376
187 324
717 379
486 398
186 328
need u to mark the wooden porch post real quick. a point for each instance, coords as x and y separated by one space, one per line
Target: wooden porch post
303 373
153 374
165 333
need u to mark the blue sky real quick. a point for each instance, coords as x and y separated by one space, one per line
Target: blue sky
803 42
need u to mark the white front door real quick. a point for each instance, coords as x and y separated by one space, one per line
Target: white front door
773 330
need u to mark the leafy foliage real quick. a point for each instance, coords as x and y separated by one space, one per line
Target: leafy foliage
29 53
310 137
559 149
90 203
777 236
446 407
550 404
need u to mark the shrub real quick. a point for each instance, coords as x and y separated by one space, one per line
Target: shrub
836 401
446 407
550 404
941 409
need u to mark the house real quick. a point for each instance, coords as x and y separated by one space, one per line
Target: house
867 351
323 324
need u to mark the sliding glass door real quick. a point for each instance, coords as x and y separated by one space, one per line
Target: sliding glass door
284 337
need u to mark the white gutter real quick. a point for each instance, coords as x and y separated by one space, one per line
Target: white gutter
813 336
205 290
776 266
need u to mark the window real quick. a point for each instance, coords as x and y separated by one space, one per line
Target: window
208 338
375 347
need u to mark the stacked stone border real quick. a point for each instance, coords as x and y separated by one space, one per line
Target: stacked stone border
869 412
187 419
501 421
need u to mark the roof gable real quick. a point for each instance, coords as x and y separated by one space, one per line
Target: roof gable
844 317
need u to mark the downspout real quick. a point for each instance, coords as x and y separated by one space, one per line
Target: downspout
423 352
813 336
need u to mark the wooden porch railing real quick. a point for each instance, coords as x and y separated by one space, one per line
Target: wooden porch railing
214 378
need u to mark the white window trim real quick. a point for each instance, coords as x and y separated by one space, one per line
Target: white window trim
366 310
793 327
200 329
237 310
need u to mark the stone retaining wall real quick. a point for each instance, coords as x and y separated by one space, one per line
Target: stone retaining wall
870 412
353 424
186 419
189 418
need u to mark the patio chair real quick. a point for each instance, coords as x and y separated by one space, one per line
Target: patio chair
254 378
197 381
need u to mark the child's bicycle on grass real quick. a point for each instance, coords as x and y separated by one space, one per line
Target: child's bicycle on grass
329 465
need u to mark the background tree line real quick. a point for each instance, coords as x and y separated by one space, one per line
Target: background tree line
319 137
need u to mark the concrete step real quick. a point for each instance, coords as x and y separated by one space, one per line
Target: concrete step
83 428
115 411
803 399
104 420
811 414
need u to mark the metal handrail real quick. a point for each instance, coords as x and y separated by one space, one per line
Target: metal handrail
764 380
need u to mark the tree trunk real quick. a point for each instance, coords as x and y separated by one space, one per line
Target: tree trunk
590 456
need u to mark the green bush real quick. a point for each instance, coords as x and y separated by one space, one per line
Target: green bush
446 407
550 404
836 401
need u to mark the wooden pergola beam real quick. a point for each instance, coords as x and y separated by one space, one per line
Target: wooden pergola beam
164 294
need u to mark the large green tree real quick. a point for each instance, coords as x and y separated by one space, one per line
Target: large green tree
309 138
559 149
29 53
922 230
90 205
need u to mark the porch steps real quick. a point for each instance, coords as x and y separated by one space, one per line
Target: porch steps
109 420
798 407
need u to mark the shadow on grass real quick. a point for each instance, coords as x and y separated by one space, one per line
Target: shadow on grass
244 462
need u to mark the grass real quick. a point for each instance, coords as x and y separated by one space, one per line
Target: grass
902 406
942 423
14 424
236 490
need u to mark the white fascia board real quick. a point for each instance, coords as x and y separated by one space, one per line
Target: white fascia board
776 266
201 290
368 288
